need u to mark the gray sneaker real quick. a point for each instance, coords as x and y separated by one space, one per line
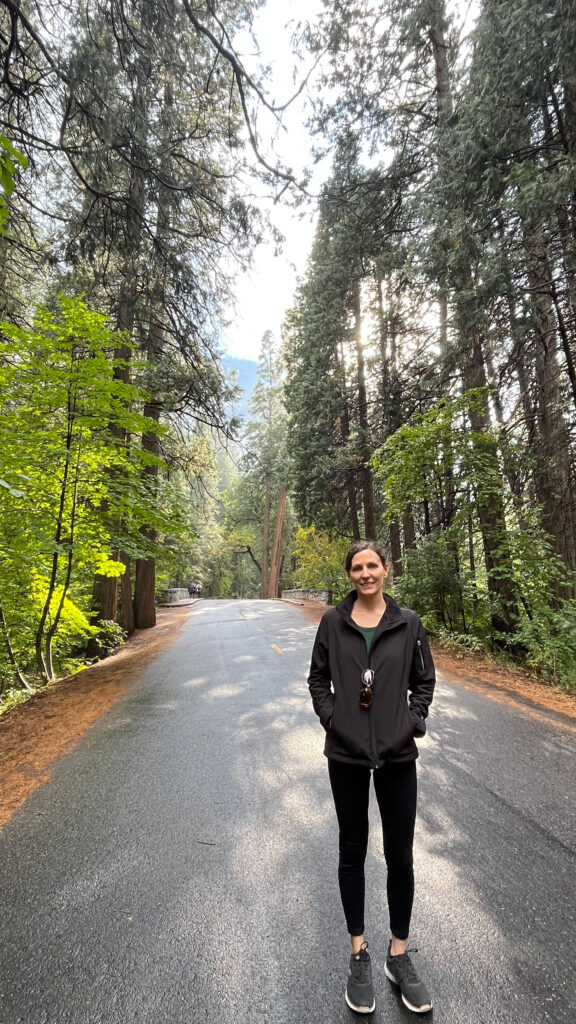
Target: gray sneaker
402 972
359 992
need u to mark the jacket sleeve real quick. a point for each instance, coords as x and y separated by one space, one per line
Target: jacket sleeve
422 679
319 678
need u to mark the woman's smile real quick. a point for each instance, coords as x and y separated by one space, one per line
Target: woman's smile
367 572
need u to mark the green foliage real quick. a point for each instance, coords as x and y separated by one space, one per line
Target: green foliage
320 562
413 462
461 642
455 607
12 697
434 583
109 636
10 160
549 637
547 625
326 441
68 479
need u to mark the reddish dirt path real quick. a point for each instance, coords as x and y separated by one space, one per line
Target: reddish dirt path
52 722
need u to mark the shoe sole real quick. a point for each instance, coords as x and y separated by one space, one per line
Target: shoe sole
415 1009
359 1009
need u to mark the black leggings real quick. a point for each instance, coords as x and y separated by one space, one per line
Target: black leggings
395 786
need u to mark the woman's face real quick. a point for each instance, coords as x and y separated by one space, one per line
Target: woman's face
367 572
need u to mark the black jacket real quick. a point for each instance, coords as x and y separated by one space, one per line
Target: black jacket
402 663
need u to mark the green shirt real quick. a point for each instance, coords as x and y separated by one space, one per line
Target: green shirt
368 632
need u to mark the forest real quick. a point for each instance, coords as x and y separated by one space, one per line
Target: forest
422 390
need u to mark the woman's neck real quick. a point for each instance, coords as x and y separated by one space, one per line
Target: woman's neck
368 610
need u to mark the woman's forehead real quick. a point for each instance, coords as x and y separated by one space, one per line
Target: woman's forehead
368 556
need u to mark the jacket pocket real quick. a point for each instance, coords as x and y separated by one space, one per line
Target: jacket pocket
401 744
419 724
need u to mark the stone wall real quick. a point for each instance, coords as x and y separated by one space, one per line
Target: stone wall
322 596
173 595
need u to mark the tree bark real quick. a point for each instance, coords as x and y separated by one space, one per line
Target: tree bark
554 474
277 547
409 530
364 427
126 613
104 593
504 611
10 651
349 477
395 549
265 537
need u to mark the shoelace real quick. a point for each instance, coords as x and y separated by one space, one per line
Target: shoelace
361 966
406 966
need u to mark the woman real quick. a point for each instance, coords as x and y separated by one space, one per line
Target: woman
371 681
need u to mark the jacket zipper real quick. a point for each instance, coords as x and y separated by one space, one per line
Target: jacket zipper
419 645
371 720
369 710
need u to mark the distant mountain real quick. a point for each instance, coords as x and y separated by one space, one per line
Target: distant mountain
246 372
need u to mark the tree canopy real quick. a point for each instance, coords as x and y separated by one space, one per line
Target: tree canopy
423 391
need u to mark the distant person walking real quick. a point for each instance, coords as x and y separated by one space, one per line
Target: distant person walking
371 681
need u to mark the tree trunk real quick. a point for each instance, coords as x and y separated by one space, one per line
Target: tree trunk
395 549
126 613
349 477
144 589
42 647
409 530
437 36
383 343
554 475
364 429
277 547
104 593
265 538
145 579
353 505
504 610
10 651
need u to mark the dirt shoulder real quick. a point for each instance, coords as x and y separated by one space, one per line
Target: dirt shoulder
50 724
481 673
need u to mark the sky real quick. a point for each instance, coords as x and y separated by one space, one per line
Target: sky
266 291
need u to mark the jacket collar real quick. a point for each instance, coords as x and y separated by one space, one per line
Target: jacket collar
393 614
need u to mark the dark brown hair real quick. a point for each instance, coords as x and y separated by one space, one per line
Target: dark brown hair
365 545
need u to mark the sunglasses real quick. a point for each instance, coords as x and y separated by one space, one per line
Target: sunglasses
366 691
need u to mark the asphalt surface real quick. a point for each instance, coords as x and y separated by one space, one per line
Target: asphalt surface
180 864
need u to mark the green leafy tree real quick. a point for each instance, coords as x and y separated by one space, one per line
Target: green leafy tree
11 159
319 562
62 465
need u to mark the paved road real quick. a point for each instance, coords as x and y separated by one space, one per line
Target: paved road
179 866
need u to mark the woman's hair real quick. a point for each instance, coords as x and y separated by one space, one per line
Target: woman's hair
365 545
